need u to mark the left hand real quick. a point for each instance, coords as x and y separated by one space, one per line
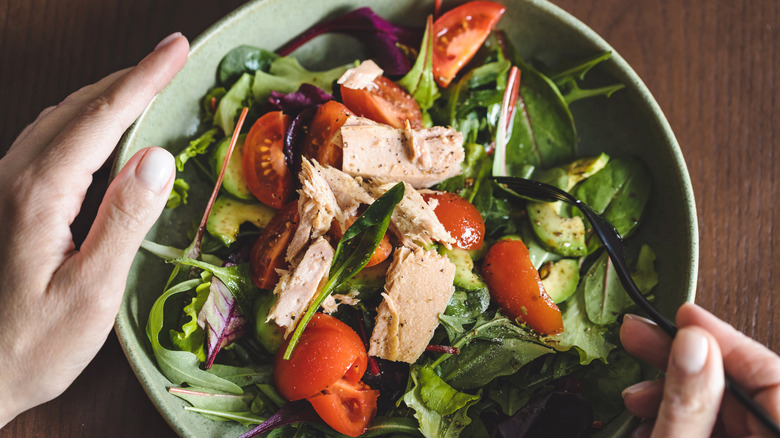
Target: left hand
58 304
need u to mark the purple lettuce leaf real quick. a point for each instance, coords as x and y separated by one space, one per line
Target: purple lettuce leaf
386 41
290 413
294 136
221 318
308 95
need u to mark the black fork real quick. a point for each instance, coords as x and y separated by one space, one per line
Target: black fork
613 244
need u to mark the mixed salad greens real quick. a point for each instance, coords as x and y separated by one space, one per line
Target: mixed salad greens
527 345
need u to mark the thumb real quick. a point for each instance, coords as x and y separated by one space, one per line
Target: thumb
131 205
694 386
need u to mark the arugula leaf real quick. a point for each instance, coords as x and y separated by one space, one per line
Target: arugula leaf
180 366
205 398
243 59
179 193
353 252
199 146
440 409
419 81
566 80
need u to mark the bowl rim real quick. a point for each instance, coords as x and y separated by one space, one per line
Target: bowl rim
122 325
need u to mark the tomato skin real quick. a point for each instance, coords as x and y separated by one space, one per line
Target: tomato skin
515 285
265 167
318 143
381 253
346 407
460 218
328 351
458 34
269 250
386 103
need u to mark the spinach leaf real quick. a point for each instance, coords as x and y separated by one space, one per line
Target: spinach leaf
353 252
180 366
603 384
605 297
440 410
419 80
492 347
199 146
245 418
619 192
243 59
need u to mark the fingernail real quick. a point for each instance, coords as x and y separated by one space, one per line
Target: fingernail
167 40
154 170
689 351
632 317
638 387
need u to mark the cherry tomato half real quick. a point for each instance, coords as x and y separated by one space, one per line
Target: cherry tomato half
265 168
459 34
385 102
318 143
346 407
515 285
381 253
269 250
460 218
328 351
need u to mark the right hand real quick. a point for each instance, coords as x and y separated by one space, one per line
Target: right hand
687 403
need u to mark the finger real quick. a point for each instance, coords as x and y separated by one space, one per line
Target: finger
643 339
753 366
694 386
644 398
52 120
86 142
131 205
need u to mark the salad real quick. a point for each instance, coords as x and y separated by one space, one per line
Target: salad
357 272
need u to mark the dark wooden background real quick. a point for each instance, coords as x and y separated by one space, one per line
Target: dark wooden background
711 64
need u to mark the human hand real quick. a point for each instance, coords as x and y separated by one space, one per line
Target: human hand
688 401
58 304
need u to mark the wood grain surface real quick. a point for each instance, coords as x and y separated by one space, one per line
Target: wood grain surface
711 64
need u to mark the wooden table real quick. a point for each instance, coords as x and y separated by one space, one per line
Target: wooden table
711 64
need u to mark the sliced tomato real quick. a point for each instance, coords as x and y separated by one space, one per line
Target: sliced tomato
381 253
515 285
318 143
265 168
460 218
459 34
269 250
346 407
384 102
328 350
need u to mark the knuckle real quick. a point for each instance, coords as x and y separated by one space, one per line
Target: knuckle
98 106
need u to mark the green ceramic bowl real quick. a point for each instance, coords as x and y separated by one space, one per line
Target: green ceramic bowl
628 123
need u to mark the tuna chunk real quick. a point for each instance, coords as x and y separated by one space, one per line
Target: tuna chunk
348 192
417 290
361 76
421 157
296 289
317 208
413 221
